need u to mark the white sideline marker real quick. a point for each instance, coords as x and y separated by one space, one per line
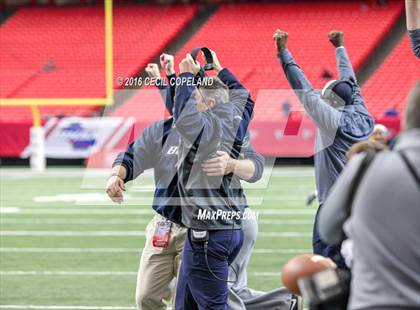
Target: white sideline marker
9 210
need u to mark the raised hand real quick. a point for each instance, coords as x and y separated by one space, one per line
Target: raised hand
189 65
280 39
216 63
336 38
168 64
153 70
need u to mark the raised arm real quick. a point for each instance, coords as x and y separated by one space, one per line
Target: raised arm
325 117
241 100
238 94
239 97
412 10
344 66
345 69
168 64
167 90
192 124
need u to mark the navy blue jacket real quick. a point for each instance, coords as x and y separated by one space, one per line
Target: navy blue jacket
157 148
222 128
338 129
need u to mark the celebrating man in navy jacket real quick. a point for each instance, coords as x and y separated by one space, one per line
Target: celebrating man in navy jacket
157 148
340 115
212 207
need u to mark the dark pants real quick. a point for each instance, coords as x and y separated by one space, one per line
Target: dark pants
197 288
324 249
333 252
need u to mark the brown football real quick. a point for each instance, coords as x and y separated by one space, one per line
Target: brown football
303 266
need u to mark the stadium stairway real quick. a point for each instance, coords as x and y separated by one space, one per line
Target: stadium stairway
5 13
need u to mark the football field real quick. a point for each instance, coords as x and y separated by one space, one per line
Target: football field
64 245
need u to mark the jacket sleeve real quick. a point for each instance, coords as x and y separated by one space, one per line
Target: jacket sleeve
345 71
335 211
139 155
249 152
415 41
239 96
344 66
191 123
167 92
325 117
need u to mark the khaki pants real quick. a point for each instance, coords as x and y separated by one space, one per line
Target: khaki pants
158 267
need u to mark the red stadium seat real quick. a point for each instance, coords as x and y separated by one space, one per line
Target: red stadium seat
59 52
390 84
242 36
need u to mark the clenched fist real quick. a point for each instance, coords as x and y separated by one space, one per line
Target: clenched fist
336 38
189 65
115 188
168 64
216 63
280 39
153 71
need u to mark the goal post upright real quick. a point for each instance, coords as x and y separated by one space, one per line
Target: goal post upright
37 135
109 70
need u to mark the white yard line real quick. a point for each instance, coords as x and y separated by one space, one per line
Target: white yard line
264 274
65 233
70 250
128 233
7 210
53 221
54 307
122 211
285 222
65 273
282 251
131 250
100 273
104 211
288 234
290 172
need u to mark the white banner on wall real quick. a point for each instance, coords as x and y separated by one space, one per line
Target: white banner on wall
78 137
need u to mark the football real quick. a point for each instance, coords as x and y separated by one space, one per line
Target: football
303 266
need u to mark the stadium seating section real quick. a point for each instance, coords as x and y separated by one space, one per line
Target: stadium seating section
241 34
59 52
390 84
